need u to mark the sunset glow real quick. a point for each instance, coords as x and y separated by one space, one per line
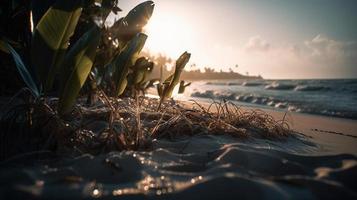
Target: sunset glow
178 99
168 34
276 39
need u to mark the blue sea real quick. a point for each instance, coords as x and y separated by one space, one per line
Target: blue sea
336 98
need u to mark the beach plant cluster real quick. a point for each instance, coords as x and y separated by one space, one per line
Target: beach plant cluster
166 88
53 57
73 50
74 53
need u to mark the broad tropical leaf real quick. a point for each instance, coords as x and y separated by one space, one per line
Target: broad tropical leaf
39 8
4 46
125 60
51 37
168 79
126 28
24 73
182 87
140 71
79 61
175 79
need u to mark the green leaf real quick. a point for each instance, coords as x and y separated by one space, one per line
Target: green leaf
147 72
182 87
126 28
51 37
24 73
125 60
4 46
175 79
39 8
140 71
79 61
168 79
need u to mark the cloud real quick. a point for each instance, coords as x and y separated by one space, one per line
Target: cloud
318 57
324 49
257 44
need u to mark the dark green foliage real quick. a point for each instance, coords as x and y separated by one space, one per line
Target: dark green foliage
170 83
39 8
113 62
116 68
51 39
126 28
78 62
138 78
183 87
15 27
166 88
22 69
125 60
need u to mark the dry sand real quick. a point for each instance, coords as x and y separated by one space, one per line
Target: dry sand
320 165
331 135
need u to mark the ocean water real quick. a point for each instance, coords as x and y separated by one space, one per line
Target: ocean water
337 98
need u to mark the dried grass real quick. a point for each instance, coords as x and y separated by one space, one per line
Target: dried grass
132 124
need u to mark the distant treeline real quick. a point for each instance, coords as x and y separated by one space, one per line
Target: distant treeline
208 74
198 75
162 61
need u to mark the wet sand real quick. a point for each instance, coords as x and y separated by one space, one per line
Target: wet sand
332 135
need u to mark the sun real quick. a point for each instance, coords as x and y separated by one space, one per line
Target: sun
168 34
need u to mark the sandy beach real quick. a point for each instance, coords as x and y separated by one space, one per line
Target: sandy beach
332 135
321 158
178 100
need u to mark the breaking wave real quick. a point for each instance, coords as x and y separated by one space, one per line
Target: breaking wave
275 102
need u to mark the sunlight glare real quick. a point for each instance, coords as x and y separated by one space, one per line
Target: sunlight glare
169 35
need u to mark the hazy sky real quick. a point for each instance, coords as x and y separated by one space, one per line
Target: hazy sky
274 38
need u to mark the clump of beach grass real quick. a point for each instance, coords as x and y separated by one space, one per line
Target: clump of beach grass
29 125
117 124
132 124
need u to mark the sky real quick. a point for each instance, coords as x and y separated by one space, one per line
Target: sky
278 39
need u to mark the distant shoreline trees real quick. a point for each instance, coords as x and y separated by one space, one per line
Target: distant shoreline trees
213 75
162 62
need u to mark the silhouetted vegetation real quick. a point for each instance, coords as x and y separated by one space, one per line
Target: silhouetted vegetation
56 59
163 62
71 56
211 74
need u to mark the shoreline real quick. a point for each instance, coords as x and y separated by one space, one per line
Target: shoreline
332 135
202 166
320 97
